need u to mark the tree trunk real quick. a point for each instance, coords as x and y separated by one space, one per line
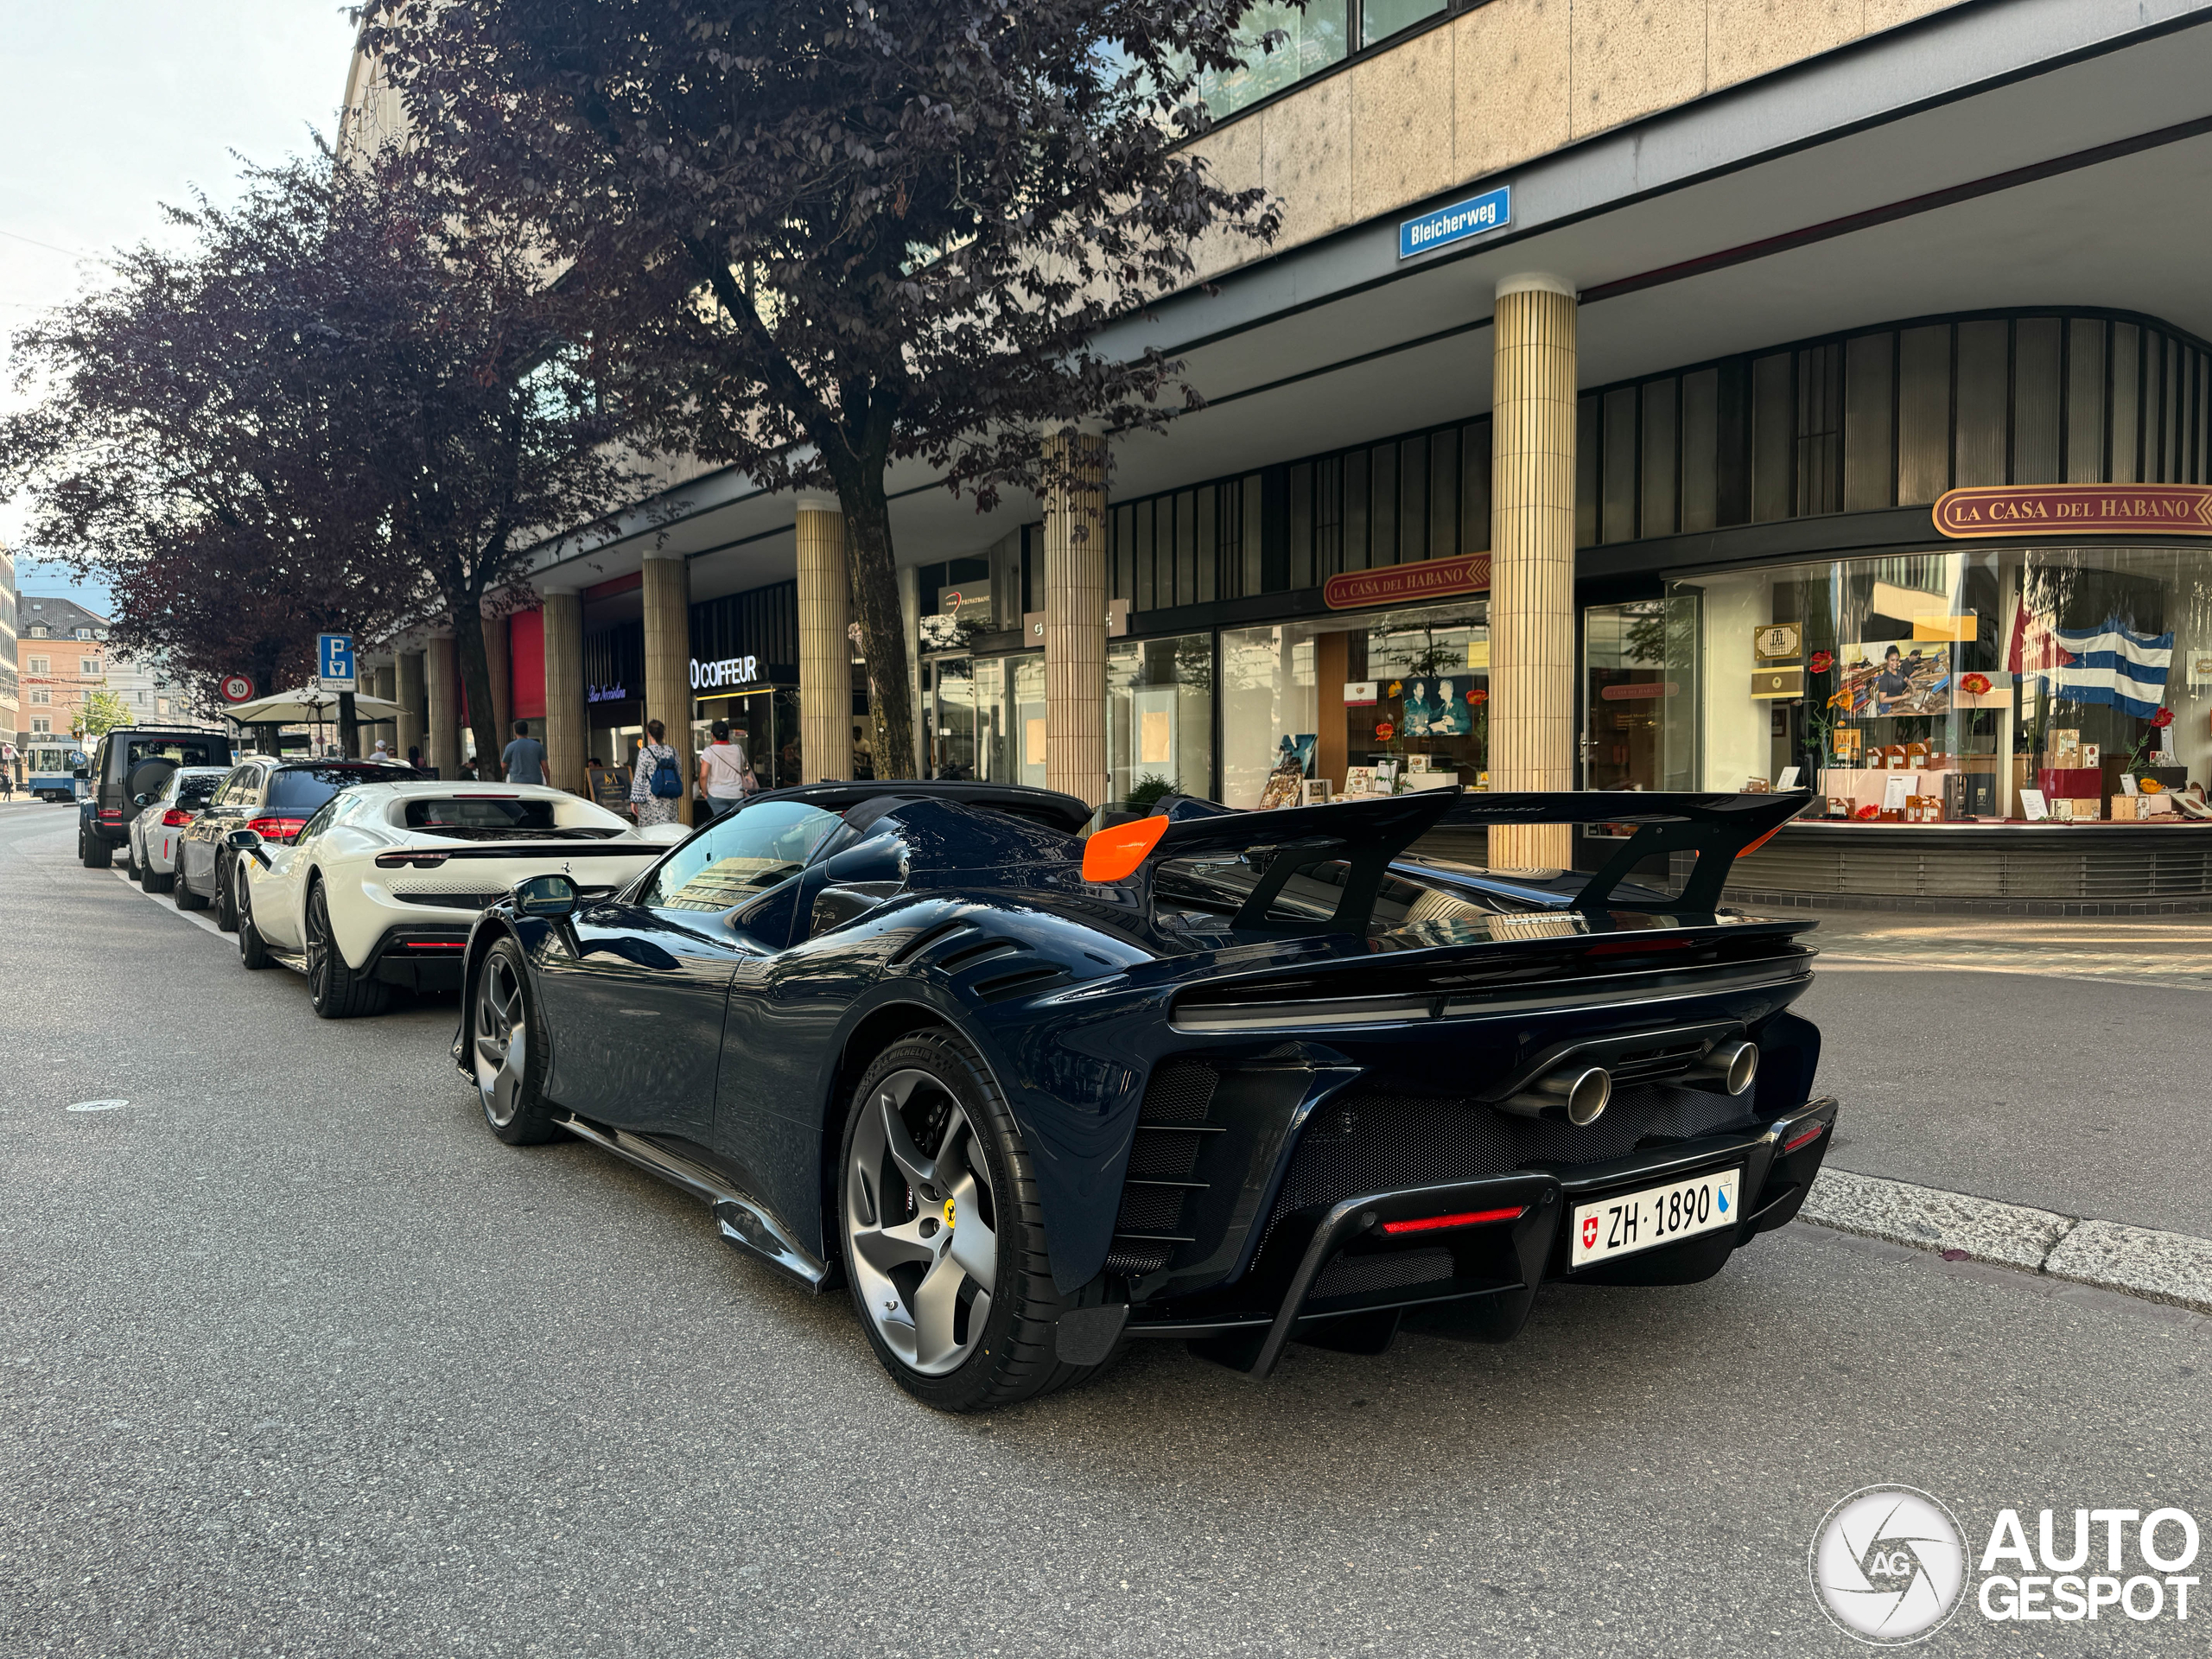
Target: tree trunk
476 686
349 730
883 629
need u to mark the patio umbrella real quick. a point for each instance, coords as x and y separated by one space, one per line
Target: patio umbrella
305 706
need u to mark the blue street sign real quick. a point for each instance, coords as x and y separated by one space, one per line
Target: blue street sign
1475 216
334 654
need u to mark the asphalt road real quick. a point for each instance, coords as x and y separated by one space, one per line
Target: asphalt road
296 1359
2062 1064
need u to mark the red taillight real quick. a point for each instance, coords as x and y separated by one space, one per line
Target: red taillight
435 944
1803 1137
176 819
111 811
278 829
1466 1218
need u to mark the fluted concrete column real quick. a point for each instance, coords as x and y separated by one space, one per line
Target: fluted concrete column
500 659
442 704
1532 561
825 648
383 683
668 659
567 717
1074 617
413 711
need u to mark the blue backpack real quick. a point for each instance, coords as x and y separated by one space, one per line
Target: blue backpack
667 781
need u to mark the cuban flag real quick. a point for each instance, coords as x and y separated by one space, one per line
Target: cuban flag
2112 665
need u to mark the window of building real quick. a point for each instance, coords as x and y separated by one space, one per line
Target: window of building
88 667
1160 715
42 666
1940 685
40 697
1407 690
38 630
84 633
1314 37
1892 418
161 706
41 724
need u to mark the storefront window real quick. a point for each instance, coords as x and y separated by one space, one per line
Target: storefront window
1640 694
1159 716
2010 682
1386 701
1009 693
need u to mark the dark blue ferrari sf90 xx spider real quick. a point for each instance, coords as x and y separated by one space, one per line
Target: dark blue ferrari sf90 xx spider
1231 1077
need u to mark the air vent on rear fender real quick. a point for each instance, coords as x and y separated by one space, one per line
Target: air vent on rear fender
1159 1194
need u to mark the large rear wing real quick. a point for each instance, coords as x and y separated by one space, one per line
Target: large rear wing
1365 835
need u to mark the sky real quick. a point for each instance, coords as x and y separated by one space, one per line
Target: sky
109 108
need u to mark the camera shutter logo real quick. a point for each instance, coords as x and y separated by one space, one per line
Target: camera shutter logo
1888 1565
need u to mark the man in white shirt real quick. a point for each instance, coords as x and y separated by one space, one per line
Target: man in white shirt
725 776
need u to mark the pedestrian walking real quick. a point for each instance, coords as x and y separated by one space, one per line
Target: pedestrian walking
524 758
656 780
725 774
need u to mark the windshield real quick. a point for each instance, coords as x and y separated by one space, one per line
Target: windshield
742 856
300 789
197 788
185 750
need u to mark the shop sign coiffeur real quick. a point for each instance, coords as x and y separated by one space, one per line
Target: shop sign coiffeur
2088 509
1392 583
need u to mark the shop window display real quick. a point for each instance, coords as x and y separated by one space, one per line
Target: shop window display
1380 702
2037 683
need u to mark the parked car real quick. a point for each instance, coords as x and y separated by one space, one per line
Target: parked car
162 819
131 762
1229 1077
380 886
273 798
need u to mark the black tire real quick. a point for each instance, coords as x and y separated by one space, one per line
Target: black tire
226 903
96 853
502 1013
1011 1357
252 952
130 859
337 991
160 883
143 872
185 897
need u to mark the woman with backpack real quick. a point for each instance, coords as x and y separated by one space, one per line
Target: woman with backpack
656 781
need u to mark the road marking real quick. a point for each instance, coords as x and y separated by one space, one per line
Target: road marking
198 918
96 1106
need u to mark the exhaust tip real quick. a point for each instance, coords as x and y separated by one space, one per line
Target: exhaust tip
1587 1096
1728 1068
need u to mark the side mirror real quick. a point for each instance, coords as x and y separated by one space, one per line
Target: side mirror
546 895
142 800
834 907
243 841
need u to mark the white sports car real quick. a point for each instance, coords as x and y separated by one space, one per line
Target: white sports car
380 886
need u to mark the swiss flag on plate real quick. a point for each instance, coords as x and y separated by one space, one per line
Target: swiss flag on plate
1589 1231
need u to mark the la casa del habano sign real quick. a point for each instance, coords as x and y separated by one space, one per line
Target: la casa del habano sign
2085 509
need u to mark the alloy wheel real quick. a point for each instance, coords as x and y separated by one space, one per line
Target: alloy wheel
921 1223
502 1040
318 948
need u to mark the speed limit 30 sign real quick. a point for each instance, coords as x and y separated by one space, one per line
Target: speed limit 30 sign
237 688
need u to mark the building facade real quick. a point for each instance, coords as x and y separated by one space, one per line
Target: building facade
1659 395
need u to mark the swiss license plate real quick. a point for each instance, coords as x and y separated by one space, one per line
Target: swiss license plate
1658 1214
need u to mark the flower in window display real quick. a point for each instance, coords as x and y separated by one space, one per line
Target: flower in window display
1821 662
1477 696
1384 731
1396 686
1973 684
2163 719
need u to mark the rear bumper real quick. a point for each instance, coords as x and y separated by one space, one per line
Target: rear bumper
421 959
1347 1282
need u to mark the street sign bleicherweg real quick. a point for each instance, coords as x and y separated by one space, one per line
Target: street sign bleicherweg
333 656
1475 216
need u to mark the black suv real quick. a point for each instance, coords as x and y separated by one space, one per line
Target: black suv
274 798
131 762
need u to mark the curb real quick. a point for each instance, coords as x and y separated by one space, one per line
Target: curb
2158 1266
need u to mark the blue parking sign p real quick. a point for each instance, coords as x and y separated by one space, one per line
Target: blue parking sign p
335 656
